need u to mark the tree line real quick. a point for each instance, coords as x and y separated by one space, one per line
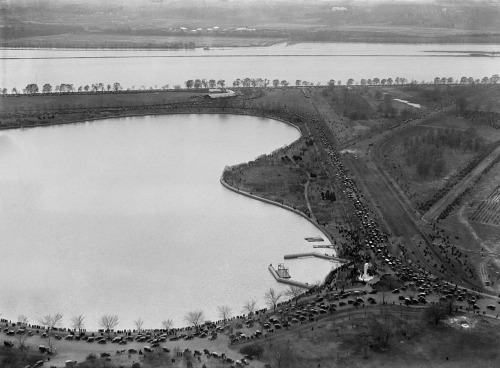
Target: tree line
33 88
52 323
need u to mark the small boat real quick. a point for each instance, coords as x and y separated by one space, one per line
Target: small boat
314 239
206 48
283 271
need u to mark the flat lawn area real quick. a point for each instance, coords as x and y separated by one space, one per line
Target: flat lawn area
92 100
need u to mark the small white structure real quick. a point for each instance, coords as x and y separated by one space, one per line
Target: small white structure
418 106
365 276
228 93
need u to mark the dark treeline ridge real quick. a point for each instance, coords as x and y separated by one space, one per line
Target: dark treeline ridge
389 37
360 21
466 140
105 45
490 118
23 30
426 151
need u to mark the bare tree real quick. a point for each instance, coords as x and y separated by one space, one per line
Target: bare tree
282 354
195 317
167 324
78 323
272 298
22 345
138 324
250 306
224 312
50 322
435 313
23 320
294 292
108 322
381 333
279 357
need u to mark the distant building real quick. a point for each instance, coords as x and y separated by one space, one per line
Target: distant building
227 93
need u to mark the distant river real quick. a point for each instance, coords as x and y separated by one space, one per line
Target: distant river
312 62
127 216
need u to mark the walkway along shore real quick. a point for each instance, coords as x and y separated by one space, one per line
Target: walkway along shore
271 269
291 209
288 281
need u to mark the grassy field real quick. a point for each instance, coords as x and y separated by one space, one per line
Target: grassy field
354 340
91 40
55 102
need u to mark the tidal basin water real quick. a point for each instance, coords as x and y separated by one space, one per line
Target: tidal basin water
127 216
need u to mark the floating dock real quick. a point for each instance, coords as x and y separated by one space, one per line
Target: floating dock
314 254
283 271
314 239
288 281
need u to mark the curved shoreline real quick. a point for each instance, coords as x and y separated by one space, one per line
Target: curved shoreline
268 201
80 121
132 114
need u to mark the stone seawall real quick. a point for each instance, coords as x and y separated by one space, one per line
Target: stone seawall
288 208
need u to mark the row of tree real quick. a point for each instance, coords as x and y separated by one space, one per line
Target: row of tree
109 322
33 88
426 151
465 140
494 79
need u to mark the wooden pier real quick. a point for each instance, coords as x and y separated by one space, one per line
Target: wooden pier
314 254
288 281
314 239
